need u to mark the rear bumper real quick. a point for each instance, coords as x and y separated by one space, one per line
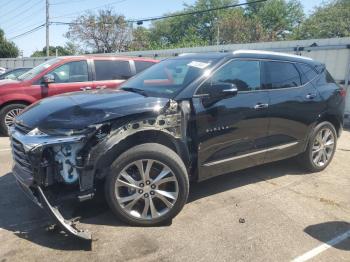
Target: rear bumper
37 195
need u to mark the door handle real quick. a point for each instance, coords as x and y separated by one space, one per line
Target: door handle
261 106
101 87
310 96
86 88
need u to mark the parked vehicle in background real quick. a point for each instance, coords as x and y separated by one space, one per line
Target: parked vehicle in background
62 75
187 118
2 70
14 73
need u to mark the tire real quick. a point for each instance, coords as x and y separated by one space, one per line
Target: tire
308 158
175 184
4 112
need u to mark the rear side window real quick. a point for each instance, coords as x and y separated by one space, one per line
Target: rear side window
142 65
112 69
329 78
280 75
307 73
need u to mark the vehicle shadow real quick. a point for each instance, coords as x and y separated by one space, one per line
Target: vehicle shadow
327 231
96 212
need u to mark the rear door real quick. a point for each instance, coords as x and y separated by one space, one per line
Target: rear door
70 77
110 73
231 132
294 106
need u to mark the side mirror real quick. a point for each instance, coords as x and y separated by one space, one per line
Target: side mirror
219 91
49 78
223 90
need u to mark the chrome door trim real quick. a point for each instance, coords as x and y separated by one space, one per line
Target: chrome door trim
280 147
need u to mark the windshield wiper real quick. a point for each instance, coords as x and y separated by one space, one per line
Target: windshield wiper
135 90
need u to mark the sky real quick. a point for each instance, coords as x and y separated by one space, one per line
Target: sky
19 16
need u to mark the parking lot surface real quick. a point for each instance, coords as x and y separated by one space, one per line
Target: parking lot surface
275 212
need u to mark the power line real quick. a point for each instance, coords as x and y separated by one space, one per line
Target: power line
23 20
16 15
89 9
14 11
28 32
193 12
68 2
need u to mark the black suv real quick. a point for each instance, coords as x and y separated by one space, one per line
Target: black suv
187 118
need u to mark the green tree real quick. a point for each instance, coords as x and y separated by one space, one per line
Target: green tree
7 48
189 30
236 27
329 20
280 17
61 51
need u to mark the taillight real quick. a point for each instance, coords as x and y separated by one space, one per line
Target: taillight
342 91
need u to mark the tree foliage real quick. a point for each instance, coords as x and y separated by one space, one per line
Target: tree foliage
104 32
327 21
68 49
7 48
266 21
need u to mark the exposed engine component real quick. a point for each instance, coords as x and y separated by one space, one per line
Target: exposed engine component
66 156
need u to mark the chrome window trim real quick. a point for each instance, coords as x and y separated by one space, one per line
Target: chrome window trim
280 147
261 89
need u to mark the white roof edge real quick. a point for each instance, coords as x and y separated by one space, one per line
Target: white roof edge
250 51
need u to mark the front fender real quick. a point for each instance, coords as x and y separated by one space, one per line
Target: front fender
106 151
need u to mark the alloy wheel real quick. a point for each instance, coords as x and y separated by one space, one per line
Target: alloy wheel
323 147
10 116
146 189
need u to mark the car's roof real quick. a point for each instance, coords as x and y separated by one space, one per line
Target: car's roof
108 57
257 54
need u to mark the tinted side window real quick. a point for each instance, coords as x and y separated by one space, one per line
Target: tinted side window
142 65
112 70
245 74
329 78
71 72
280 75
308 73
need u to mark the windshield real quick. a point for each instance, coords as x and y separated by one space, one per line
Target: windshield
168 77
38 69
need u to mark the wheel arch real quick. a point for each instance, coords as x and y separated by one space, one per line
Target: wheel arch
142 137
334 120
17 101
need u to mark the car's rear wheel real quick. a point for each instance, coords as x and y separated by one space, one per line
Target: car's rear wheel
147 185
8 115
321 147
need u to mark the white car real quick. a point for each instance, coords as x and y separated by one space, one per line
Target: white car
2 70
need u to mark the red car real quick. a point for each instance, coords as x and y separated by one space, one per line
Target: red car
62 75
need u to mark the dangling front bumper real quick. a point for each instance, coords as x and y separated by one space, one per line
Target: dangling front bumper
36 194
31 180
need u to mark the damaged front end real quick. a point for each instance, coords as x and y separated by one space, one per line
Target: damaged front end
39 166
45 165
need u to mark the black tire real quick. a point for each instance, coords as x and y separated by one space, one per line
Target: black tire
3 113
306 160
156 152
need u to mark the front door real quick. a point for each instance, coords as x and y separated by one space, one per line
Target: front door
70 77
231 132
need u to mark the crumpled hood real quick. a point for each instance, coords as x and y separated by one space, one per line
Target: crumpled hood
80 109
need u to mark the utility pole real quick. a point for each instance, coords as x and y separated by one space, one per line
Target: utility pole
47 29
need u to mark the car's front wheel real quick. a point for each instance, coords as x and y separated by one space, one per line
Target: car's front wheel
321 147
7 116
147 185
